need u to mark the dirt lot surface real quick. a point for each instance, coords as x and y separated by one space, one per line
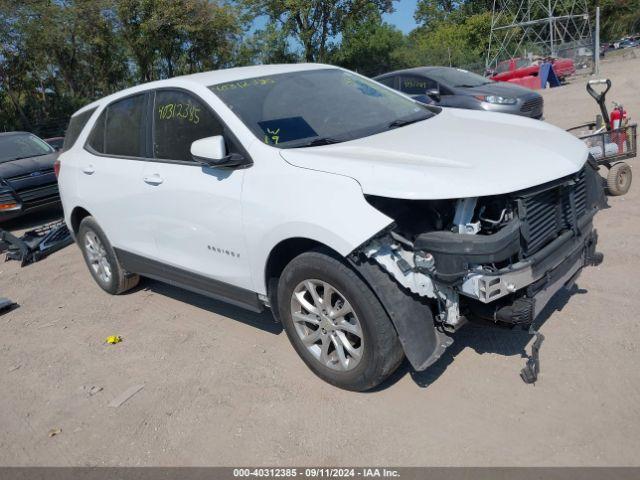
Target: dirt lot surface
224 387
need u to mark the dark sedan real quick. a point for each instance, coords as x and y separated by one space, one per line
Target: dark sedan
27 179
454 87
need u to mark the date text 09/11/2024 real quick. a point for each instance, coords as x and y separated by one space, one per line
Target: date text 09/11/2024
316 472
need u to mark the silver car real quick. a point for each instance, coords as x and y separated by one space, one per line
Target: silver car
454 87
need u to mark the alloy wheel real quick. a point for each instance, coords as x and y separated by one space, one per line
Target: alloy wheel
97 256
327 325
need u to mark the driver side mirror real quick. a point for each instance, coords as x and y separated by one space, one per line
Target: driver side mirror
211 152
434 93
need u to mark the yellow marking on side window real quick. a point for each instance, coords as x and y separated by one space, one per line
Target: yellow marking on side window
179 111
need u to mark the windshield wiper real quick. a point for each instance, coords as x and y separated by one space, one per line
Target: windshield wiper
402 122
316 142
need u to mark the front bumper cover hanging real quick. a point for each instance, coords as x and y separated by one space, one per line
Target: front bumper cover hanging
35 244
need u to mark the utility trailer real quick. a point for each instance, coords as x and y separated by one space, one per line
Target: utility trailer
611 140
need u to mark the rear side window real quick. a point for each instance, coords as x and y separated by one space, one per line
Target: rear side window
124 127
96 138
179 119
76 124
121 128
414 85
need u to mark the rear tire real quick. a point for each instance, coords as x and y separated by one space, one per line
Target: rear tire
101 259
342 332
619 179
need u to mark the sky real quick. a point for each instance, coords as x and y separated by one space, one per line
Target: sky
403 15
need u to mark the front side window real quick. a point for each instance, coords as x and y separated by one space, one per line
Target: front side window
179 119
456 77
315 107
22 145
121 128
388 81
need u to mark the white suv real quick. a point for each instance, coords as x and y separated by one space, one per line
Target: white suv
372 225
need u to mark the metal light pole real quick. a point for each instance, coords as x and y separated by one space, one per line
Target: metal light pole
596 50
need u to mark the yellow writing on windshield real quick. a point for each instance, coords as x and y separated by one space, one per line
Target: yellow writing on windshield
272 136
253 82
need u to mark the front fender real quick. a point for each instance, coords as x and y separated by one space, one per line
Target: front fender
281 202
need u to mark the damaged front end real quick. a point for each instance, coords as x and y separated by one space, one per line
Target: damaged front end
499 258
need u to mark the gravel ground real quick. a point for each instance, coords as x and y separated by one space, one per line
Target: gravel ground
223 386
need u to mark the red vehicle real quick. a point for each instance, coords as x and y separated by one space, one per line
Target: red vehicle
522 67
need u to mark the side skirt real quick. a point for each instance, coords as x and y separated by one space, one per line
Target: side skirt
190 281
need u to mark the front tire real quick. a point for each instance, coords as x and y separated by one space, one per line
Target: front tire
101 259
336 323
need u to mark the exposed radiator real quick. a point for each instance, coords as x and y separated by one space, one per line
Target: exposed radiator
547 213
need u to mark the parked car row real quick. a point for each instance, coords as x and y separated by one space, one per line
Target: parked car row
370 223
455 87
630 41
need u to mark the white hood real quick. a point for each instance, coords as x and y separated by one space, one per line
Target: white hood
458 153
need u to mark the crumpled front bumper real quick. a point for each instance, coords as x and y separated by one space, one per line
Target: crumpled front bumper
519 294
564 252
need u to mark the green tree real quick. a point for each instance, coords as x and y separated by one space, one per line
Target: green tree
369 46
618 18
60 54
449 43
266 46
171 37
314 23
56 56
429 12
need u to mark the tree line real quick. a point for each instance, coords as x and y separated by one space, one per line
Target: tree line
58 55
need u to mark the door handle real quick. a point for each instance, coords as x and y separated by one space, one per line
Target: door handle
154 179
89 170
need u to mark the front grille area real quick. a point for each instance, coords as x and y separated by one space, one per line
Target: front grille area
531 105
547 213
39 196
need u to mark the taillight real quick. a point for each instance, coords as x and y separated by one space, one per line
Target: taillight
56 167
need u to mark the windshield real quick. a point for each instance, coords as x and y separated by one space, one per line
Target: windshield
23 145
317 107
456 77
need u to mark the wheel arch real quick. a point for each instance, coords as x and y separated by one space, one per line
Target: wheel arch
77 215
282 253
411 317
